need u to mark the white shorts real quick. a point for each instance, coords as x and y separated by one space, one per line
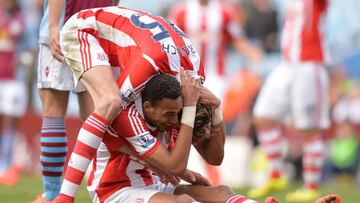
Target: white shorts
136 194
298 88
82 51
13 98
54 74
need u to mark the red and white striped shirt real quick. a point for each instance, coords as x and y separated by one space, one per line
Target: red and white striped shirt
209 27
142 45
113 170
301 36
11 28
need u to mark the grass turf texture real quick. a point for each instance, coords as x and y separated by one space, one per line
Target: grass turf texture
30 186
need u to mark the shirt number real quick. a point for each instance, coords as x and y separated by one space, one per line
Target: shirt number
158 30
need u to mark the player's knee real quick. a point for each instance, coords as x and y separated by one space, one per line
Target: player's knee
111 103
184 199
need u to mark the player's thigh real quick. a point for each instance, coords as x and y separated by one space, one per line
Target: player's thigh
273 100
205 194
147 194
90 66
310 101
161 197
87 60
13 98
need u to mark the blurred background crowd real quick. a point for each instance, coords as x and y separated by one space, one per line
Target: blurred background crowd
260 22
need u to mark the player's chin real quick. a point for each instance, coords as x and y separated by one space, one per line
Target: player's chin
164 128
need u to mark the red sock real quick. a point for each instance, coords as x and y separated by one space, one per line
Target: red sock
89 139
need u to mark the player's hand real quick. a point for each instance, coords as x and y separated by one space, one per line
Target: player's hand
190 88
54 43
163 175
195 178
207 97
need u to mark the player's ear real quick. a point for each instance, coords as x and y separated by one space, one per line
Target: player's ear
148 107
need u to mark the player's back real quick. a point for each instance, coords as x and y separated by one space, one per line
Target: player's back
301 35
125 34
11 28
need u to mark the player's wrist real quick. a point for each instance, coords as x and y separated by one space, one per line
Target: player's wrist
188 115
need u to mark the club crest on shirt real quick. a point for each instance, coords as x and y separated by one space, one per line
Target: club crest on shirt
47 71
139 200
128 96
146 140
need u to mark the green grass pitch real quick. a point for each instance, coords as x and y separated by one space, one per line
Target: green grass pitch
30 186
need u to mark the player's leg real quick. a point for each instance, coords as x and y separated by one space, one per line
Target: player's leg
167 198
310 116
13 106
54 84
270 108
97 77
218 194
144 194
86 105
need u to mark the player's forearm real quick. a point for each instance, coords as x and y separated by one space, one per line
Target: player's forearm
212 149
55 9
248 50
174 161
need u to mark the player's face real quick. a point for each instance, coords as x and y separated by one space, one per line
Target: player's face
163 115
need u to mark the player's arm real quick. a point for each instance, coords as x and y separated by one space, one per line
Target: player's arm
248 50
132 79
175 161
55 9
242 45
212 148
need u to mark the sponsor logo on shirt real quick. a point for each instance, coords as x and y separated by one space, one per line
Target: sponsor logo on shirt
146 140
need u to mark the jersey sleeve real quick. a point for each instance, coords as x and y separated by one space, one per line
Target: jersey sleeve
112 141
133 78
131 126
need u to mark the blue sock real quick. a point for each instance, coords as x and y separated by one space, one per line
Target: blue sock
53 154
7 139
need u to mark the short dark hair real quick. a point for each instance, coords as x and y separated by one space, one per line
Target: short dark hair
159 87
